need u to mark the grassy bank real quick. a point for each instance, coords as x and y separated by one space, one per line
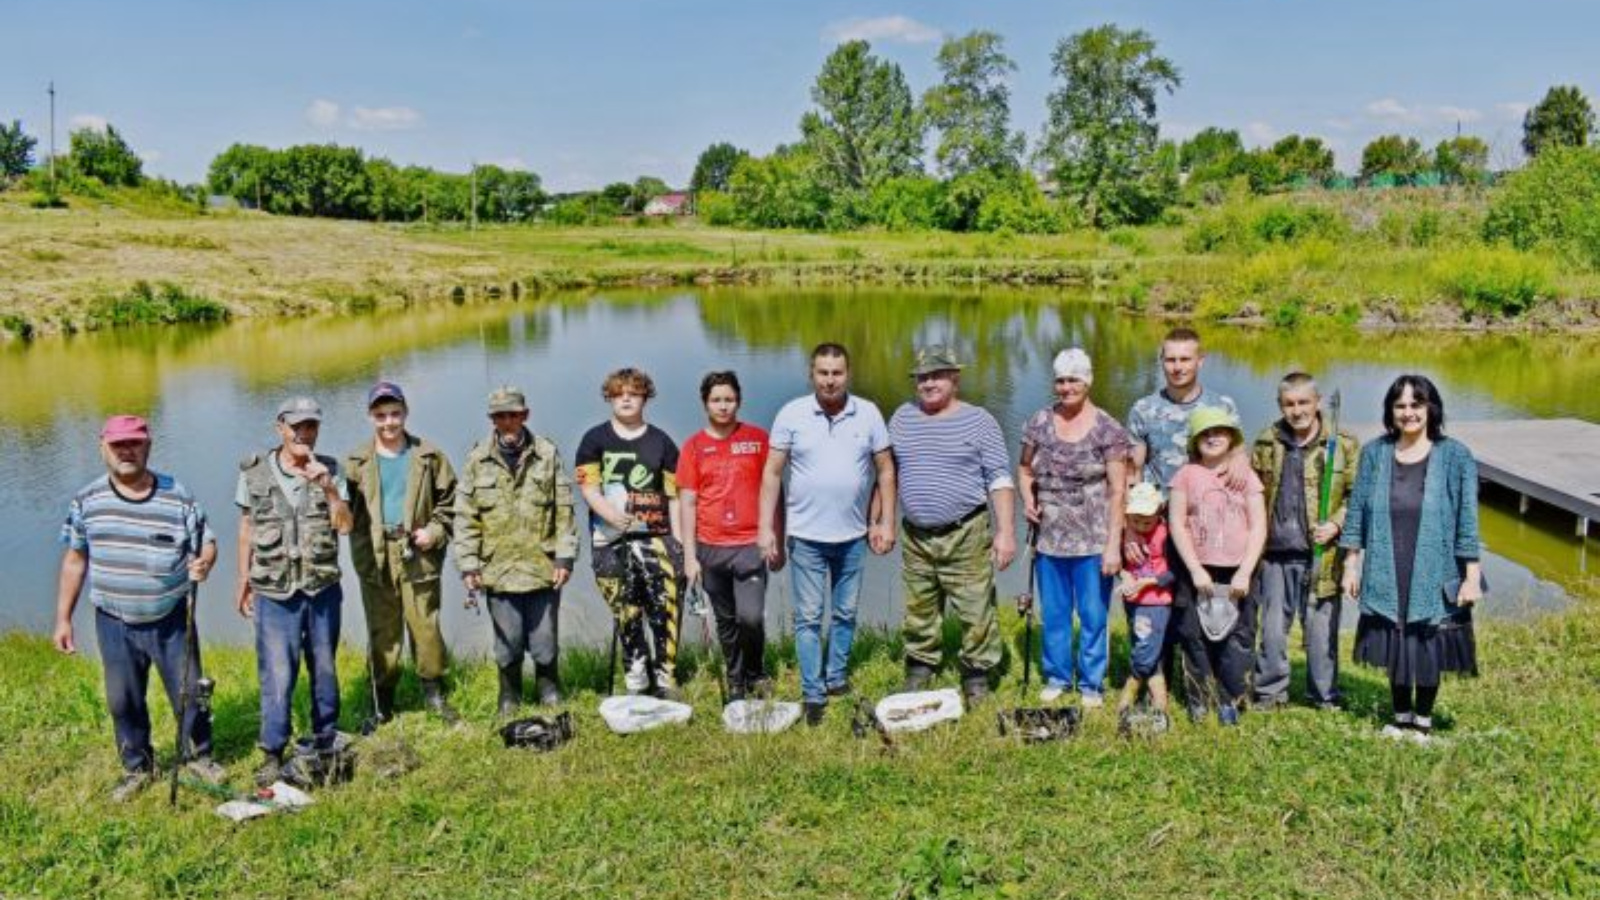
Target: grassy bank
1293 804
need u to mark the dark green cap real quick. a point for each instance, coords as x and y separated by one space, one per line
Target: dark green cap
937 358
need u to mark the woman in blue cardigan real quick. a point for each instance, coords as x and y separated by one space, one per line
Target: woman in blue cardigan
1412 536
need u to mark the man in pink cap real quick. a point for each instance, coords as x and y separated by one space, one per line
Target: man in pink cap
139 539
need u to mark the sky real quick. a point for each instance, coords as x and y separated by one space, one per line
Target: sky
587 92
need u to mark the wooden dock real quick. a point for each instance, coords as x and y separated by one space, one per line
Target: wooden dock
1554 461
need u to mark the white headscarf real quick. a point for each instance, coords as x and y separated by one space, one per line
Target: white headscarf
1074 363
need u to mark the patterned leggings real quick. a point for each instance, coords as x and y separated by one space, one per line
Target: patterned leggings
642 581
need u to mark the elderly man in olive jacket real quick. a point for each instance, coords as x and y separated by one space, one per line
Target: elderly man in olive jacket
402 494
517 539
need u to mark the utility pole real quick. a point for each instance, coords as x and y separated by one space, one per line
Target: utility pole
474 196
52 136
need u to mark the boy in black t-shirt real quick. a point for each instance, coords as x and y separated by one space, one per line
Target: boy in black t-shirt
626 471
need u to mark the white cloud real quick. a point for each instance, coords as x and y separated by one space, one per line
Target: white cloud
90 121
323 113
1260 133
1388 108
890 29
1393 110
384 118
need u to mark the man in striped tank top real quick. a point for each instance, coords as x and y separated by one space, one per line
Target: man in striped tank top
138 538
952 464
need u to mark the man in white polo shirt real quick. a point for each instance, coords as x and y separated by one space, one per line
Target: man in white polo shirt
836 447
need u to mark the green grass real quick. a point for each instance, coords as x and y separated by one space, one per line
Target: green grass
1292 804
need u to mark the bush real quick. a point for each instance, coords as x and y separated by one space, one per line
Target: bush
1493 281
1248 228
716 208
907 203
1553 203
145 304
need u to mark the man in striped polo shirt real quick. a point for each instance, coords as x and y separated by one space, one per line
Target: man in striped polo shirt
139 538
952 465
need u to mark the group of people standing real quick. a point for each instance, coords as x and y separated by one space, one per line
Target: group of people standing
1215 548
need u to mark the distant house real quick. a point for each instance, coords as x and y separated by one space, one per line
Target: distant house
674 204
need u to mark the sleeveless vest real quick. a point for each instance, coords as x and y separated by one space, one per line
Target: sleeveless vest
293 549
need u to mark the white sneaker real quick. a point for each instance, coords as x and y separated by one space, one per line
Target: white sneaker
637 677
1093 701
1395 732
1051 693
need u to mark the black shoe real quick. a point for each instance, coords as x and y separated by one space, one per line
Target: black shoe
842 689
814 713
433 700
975 688
736 692
918 677
510 690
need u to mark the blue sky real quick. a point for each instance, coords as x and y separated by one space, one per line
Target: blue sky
586 93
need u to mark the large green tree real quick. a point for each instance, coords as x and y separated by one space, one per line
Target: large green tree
16 150
1393 156
865 128
645 189
1563 118
1100 138
103 154
971 107
1214 154
1463 159
1290 161
715 164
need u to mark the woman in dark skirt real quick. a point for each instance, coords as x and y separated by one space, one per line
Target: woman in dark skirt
1412 537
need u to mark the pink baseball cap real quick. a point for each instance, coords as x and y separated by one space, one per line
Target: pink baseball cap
124 428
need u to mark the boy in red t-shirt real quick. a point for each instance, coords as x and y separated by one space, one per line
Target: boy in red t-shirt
1146 591
719 484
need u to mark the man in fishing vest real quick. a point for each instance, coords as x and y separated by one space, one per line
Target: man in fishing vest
952 468
141 542
516 538
1291 458
293 507
402 494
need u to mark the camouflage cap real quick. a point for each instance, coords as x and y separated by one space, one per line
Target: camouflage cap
507 399
937 358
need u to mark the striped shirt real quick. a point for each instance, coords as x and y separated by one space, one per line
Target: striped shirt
947 464
139 550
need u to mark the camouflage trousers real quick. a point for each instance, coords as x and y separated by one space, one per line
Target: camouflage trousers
951 569
394 606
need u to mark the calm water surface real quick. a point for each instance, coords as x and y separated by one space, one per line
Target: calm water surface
211 393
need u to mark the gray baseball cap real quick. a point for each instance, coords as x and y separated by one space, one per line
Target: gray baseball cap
299 409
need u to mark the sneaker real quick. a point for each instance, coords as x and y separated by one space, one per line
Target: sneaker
918 677
1159 723
1092 700
131 784
814 712
1051 693
1197 713
1125 722
271 770
842 689
206 769
637 678
1269 704
667 687
1422 729
1228 714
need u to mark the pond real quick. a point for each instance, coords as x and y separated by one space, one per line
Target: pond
211 394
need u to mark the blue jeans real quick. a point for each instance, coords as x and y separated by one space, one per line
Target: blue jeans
307 625
1147 629
812 564
126 654
1068 586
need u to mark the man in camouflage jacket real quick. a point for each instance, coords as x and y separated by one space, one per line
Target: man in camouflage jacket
516 538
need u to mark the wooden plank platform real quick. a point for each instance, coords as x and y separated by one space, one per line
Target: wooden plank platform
1554 461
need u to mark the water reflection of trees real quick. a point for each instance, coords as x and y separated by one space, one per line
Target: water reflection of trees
96 374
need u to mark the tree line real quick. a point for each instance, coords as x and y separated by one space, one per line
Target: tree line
861 156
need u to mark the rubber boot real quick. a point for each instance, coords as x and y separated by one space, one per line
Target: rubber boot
510 689
433 699
547 685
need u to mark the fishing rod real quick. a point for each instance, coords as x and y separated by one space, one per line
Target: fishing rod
185 694
1025 608
1331 450
701 606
